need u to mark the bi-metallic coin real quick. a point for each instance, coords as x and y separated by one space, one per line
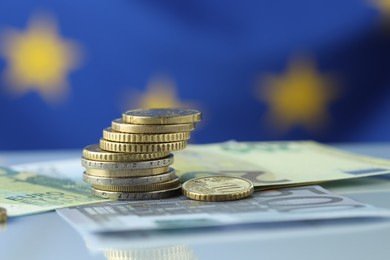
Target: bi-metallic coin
137 165
127 181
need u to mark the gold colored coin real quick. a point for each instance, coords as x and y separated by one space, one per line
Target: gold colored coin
119 126
130 181
126 173
3 215
141 188
93 152
161 116
120 195
114 136
217 188
141 148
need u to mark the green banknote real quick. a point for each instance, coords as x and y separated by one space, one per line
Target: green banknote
43 186
276 164
372 184
24 193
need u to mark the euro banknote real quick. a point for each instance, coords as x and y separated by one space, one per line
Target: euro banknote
23 192
279 205
28 188
276 164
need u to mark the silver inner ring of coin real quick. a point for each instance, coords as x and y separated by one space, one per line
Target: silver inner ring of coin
127 165
123 181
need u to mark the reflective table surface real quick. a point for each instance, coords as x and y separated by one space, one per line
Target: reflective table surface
48 236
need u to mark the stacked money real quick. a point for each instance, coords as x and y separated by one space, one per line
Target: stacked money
133 158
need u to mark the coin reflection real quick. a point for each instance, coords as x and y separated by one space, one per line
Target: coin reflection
175 252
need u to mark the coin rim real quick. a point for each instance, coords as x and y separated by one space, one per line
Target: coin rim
162 120
3 215
115 136
161 194
127 173
119 126
137 165
140 188
126 181
107 156
141 148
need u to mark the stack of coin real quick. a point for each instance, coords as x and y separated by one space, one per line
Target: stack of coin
133 158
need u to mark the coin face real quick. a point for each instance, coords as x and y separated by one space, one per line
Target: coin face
217 188
161 116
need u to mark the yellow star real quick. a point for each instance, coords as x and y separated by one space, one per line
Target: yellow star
299 97
38 59
160 93
382 5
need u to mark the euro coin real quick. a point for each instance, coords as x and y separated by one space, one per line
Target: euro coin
127 181
161 116
3 215
141 188
141 148
119 126
93 152
217 188
161 194
137 165
127 173
111 135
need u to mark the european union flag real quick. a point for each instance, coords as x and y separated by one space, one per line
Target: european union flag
258 70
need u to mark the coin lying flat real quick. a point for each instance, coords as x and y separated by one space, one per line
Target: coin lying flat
161 194
3 215
105 181
120 126
93 152
91 164
127 173
161 116
141 148
217 188
111 135
141 188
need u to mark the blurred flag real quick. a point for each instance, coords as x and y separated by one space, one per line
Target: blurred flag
258 70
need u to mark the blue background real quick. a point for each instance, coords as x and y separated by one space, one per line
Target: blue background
214 53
